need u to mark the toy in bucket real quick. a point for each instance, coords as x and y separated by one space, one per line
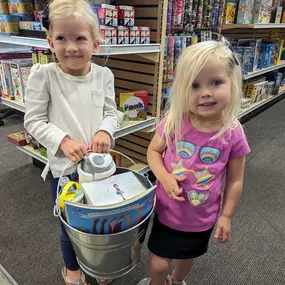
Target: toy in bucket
109 243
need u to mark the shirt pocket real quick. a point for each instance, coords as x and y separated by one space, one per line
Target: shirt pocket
98 98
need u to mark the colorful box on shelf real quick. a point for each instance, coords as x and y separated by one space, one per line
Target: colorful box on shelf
107 14
245 9
262 11
9 24
135 35
134 104
123 35
37 5
4 8
126 16
21 6
145 35
31 26
229 13
20 71
38 15
18 138
6 80
109 35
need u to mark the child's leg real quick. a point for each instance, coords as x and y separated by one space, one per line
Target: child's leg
68 253
158 269
181 269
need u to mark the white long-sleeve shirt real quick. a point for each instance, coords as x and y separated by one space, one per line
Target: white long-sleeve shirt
59 105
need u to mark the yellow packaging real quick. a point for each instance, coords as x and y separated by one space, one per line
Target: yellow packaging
25 25
9 28
21 8
229 14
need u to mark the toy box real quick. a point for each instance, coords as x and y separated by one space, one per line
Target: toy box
6 80
245 103
262 11
9 24
134 104
38 15
126 16
19 73
278 15
251 57
20 6
265 55
109 35
32 26
107 14
37 5
245 9
123 35
276 77
135 35
145 35
229 13
18 138
4 8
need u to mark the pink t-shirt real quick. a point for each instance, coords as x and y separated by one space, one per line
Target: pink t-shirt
203 162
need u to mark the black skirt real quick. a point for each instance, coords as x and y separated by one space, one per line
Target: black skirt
173 244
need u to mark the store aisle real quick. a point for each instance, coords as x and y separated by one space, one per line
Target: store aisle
29 248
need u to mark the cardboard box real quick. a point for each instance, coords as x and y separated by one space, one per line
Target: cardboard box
19 75
20 6
278 15
145 35
6 80
109 35
123 35
9 24
245 9
107 14
135 35
4 8
134 104
126 16
18 138
262 12
229 13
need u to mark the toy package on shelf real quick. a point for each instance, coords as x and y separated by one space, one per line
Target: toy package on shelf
109 35
262 11
229 13
9 24
277 78
126 16
18 138
20 71
134 104
107 14
245 9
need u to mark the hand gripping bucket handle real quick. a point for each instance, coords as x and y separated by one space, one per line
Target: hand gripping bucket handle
56 208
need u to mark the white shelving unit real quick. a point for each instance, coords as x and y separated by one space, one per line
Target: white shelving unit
253 26
104 49
14 104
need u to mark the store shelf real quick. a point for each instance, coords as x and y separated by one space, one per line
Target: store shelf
129 127
260 104
252 26
34 153
104 49
264 70
14 104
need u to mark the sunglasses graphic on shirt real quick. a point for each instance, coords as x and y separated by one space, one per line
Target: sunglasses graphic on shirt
207 154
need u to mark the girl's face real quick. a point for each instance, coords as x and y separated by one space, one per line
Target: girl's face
73 45
211 91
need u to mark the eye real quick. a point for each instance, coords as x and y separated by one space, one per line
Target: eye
217 83
209 155
60 38
195 85
81 38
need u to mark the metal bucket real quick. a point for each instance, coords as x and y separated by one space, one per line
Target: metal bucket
109 256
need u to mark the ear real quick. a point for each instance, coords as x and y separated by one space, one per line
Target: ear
50 42
96 46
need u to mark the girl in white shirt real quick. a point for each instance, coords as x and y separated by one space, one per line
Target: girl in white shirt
70 105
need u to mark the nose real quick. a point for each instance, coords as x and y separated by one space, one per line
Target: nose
206 93
71 47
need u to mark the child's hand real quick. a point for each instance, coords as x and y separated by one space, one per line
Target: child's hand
170 185
101 142
73 150
223 229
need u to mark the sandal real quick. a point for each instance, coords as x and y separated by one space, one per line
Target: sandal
175 282
73 281
104 282
147 281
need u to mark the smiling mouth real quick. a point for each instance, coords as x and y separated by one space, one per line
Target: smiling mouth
73 57
208 104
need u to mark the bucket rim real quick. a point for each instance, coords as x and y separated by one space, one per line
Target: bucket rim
110 235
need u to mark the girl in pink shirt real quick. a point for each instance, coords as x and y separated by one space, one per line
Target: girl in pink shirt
197 145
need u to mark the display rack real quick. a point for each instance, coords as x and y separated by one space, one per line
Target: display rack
252 26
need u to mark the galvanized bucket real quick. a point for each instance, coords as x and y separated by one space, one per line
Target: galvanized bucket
113 255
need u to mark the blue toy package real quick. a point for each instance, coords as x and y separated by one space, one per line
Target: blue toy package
265 55
248 59
276 77
9 24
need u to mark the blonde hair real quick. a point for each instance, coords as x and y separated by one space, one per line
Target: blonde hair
62 9
190 63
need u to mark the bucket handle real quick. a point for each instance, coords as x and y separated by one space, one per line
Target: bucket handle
56 208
